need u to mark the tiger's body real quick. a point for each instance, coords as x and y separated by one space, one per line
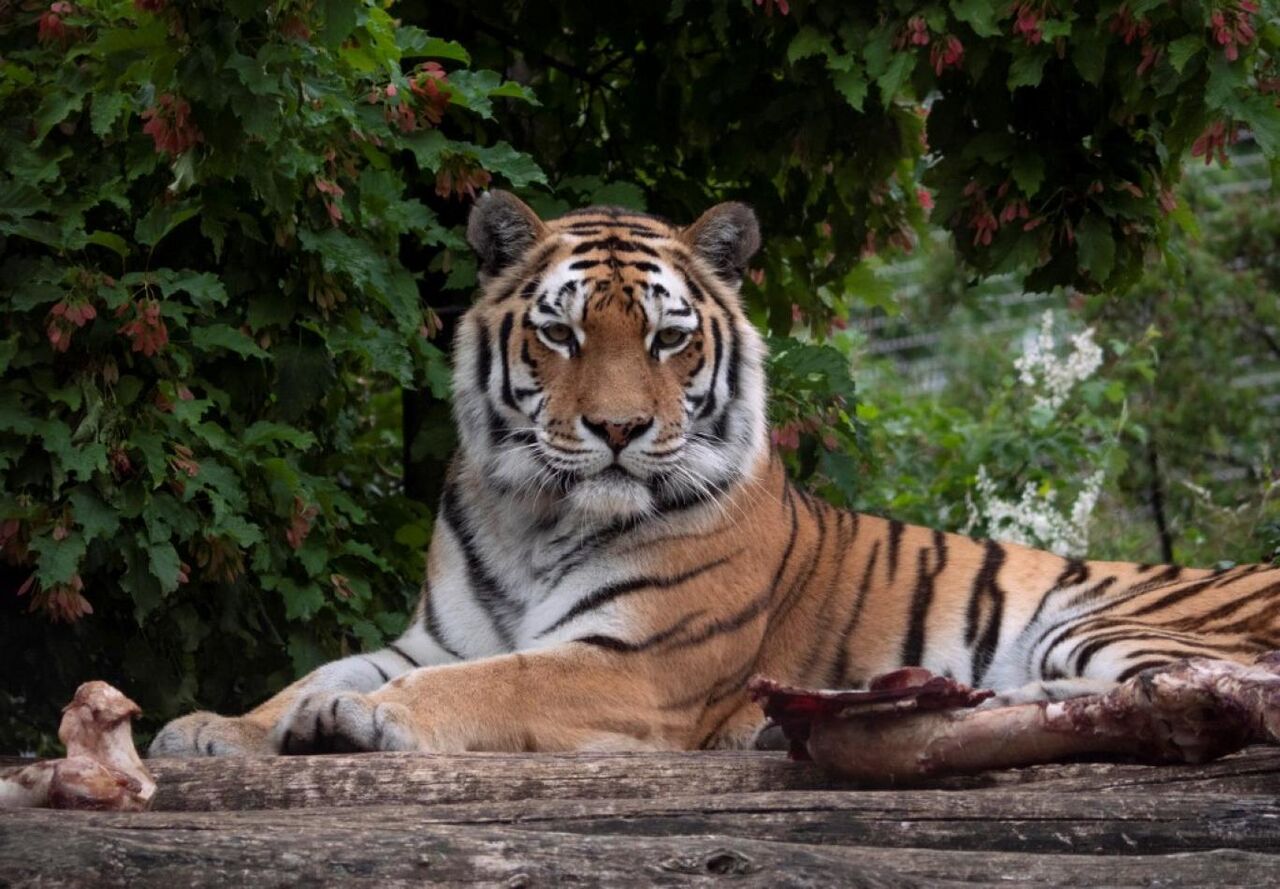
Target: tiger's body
618 550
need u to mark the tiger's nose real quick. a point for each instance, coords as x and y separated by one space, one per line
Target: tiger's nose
617 434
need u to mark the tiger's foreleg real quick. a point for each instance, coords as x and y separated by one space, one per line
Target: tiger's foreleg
209 734
571 697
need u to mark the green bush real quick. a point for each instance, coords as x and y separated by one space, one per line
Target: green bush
202 212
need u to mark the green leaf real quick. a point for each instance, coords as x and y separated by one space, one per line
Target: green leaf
339 21
852 84
416 43
58 104
1028 172
809 41
620 194
1262 117
111 241
96 518
165 565
1027 68
59 559
1089 55
8 349
161 219
516 167
1097 247
977 14
212 337
891 81
204 288
1181 50
104 110
303 376
301 601
265 433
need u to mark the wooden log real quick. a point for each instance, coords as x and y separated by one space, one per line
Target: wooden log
391 778
362 847
1022 822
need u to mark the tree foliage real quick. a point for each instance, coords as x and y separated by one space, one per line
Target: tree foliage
229 259
202 213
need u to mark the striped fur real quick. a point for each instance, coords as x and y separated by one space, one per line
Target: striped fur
582 595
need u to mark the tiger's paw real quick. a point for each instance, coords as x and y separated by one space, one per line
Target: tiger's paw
208 734
345 722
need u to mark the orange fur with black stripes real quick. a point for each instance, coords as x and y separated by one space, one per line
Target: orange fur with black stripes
618 550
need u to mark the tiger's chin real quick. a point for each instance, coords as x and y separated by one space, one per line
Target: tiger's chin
609 496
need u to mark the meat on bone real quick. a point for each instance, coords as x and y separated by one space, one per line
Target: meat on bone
101 770
911 725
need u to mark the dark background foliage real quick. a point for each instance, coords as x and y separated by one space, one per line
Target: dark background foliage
232 260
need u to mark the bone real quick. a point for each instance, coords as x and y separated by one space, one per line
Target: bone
101 770
922 726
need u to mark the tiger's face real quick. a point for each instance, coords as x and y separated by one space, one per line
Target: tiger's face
607 367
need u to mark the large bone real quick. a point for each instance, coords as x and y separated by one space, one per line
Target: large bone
911 725
101 770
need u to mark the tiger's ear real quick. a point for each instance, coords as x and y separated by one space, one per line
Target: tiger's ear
501 229
726 237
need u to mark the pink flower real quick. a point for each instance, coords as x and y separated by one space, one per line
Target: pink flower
170 126
50 27
946 52
147 330
459 176
783 6
300 523
1028 14
925 198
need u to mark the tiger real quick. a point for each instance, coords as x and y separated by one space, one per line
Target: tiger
619 550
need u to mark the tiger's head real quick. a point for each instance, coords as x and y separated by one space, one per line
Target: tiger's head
607 366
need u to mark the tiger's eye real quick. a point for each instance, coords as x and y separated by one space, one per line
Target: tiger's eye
558 333
670 337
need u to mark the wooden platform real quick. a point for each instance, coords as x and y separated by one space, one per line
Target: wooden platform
743 819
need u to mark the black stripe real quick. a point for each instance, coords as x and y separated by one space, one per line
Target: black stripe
609 592
391 646
386 677
1096 591
800 584
1075 572
717 340
504 344
922 598
722 627
895 544
1191 589
613 243
621 646
791 539
431 624
484 357
539 265
985 588
1130 672
846 636
821 643
1227 609
489 595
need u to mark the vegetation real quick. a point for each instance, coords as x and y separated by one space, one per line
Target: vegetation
230 260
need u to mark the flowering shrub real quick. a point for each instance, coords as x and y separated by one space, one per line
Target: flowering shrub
203 206
1040 369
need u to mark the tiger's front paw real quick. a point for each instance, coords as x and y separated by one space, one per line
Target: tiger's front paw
208 734
345 722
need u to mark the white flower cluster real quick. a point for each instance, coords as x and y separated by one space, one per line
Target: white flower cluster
1053 378
1034 519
